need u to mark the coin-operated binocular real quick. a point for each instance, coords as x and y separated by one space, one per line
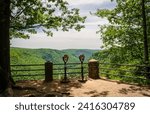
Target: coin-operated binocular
81 58
65 59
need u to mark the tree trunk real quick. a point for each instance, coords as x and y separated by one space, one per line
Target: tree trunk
4 45
145 40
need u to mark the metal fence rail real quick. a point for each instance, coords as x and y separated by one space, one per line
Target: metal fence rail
125 72
27 71
37 71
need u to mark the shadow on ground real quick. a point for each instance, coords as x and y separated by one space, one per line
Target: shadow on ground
94 93
40 88
134 89
92 88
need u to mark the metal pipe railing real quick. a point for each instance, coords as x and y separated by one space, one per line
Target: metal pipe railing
29 70
106 69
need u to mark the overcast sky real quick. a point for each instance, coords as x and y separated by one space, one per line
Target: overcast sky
85 39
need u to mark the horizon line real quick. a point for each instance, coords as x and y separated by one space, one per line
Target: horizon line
58 49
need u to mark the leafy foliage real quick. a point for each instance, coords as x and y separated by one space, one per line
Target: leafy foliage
124 41
30 16
119 66
124 32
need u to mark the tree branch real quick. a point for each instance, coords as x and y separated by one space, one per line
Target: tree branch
28 27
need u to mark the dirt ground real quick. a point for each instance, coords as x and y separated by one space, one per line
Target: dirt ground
91 88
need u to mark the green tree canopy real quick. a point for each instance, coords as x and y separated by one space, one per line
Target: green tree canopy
27 16
125 29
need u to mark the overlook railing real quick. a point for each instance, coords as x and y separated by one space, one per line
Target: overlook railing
27 71
37 71
92 69
126 72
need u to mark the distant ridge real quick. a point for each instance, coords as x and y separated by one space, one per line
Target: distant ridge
27 55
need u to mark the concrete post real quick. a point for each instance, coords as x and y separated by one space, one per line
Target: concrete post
48 71
93 69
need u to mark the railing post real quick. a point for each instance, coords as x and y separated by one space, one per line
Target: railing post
93 69
48 71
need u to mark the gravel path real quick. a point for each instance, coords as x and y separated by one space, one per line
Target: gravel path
92 88
96 88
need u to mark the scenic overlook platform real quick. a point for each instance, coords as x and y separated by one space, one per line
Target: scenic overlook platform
92 88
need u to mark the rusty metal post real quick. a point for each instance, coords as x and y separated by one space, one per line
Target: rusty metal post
48 71
93 69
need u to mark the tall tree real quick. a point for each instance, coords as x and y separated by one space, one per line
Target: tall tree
146 54
125 28
4 44
19 18
28 16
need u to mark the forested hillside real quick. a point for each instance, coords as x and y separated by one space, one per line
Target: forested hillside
76 52
25 56
116 55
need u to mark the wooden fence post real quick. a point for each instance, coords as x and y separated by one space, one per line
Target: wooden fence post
93 69
48 71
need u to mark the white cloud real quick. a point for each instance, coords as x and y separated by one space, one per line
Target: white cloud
85 39
80 2
61 40
96 23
